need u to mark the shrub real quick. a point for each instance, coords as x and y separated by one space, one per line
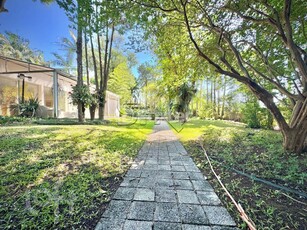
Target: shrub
29 107
82 94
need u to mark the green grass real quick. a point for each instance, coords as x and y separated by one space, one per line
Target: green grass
193 129
60 176
256 152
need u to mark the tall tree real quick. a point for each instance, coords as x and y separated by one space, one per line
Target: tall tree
105 18
146 75
75 11
252 42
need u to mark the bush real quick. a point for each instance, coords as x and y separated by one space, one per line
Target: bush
82 94
28 108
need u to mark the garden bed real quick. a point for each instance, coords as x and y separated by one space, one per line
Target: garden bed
257 153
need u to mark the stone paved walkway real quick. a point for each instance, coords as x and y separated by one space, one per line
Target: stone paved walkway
165 190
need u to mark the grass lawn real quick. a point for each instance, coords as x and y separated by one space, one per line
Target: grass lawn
62 176
255 152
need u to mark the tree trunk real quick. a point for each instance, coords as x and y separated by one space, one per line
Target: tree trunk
94 63
79 65
295 139
86 60
214 99
270 120
93 106
169 117
207 83
100 111
224 98
92 111
218 102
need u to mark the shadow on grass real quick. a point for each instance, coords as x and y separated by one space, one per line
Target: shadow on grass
62 180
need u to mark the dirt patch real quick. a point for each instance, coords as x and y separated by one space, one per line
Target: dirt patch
110 185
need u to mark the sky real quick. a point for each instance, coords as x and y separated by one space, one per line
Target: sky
43 25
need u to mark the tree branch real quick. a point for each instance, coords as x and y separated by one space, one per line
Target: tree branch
156 6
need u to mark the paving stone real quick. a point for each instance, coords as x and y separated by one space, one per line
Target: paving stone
202 185
144 194
177 157
151 162
164 175
183 184
196 176
208 198
130 182
174 153
117 209
164 167
191 168
195 227
133 173
150 167
178 168
166 226
139 225
192 214
167 212
148 173
146 183
187 197
186 158
124 193
106 224
218 216
165 195
223 228
141 210
165 183
176 162
180 175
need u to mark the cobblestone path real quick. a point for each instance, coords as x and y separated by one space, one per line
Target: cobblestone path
165 190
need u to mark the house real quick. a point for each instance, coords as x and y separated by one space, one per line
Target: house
20 80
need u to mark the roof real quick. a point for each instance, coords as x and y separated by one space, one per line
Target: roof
14 66
10 66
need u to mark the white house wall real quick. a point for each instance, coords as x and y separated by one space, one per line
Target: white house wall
40 86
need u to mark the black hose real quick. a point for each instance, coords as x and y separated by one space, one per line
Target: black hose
252 177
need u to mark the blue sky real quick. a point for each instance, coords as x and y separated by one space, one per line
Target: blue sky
43 25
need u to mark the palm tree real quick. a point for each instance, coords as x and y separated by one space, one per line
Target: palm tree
68 46
14 46
185 95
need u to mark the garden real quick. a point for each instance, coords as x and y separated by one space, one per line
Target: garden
230 77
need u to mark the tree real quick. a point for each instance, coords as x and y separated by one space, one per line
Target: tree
185 95
105 19
68 46
255 43
75 11
122 81
14 46
146 75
